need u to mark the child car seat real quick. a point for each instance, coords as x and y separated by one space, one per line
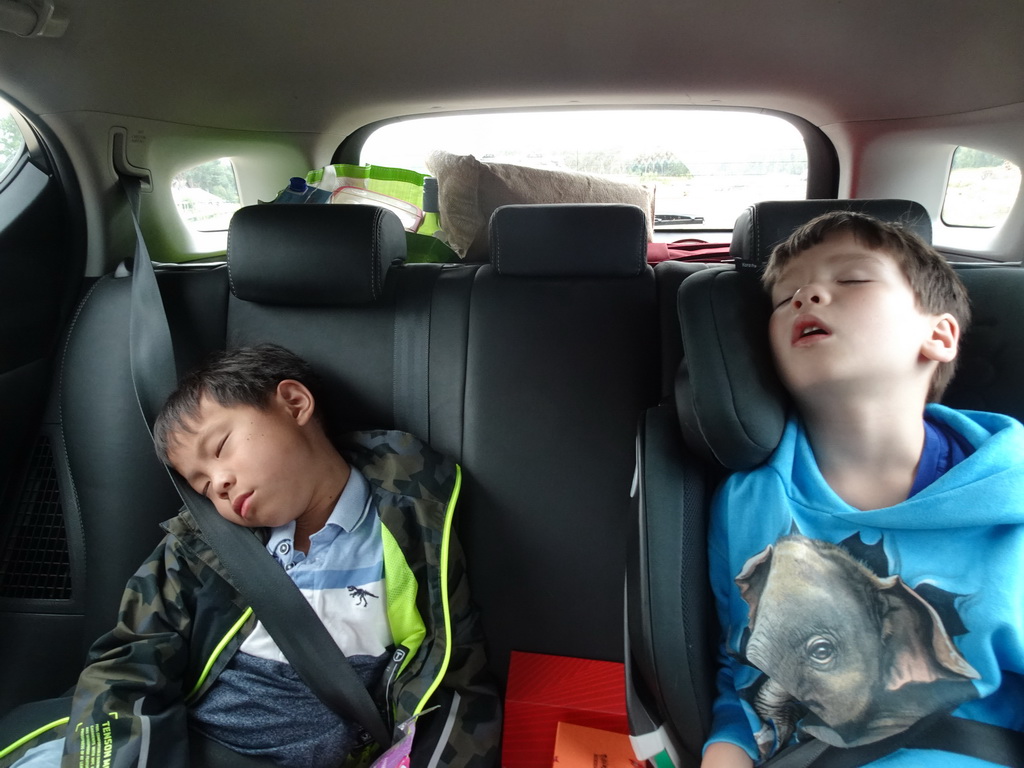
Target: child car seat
728 414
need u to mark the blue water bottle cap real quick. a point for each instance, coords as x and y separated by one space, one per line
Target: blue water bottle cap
297 184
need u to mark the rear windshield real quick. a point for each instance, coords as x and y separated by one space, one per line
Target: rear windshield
706 166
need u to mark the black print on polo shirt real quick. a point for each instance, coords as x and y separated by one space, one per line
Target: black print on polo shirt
360 595
850 652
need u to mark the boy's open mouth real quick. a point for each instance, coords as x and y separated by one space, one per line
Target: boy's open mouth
808 327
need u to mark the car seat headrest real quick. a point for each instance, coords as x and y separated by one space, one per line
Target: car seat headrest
571 240
731 405
764 225
312 255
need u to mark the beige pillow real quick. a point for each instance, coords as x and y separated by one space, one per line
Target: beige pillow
469 191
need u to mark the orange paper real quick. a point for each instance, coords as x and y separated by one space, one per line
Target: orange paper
577 746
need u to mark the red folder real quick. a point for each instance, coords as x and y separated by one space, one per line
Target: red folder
544 691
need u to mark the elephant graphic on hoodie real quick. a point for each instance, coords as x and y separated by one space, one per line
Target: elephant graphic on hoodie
852 655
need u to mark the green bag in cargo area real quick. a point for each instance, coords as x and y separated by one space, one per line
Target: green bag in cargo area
411 195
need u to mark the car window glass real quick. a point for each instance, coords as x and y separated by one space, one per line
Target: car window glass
207 195
981 190
707 166
12 143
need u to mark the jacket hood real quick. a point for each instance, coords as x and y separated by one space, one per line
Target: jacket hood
982 490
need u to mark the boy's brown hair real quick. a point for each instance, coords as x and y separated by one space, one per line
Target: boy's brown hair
936 286
241 376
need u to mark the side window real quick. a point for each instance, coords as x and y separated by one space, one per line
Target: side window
981 190
207 195
706 165
12 143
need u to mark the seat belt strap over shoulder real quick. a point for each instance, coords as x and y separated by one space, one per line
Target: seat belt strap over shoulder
941 731
151 357
274 597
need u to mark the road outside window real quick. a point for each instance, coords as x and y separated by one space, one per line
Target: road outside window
707 166
207 195
982 189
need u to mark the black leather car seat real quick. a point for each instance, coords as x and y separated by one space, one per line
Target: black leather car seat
562 359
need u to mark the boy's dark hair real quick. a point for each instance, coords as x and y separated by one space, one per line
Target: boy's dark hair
935 283
242 376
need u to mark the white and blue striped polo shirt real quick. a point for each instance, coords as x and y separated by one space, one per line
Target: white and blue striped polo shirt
342 577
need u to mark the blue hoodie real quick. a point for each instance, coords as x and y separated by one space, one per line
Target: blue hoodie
861 622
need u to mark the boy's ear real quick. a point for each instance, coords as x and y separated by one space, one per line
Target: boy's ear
941 346
297 399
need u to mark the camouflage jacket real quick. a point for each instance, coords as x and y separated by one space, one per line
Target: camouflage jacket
181 621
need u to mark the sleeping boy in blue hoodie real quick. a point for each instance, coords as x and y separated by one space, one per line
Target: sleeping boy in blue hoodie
870 575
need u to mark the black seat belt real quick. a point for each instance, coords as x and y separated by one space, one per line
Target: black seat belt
412 343
941 731
274 597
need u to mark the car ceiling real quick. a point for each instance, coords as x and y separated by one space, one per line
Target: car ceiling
330 66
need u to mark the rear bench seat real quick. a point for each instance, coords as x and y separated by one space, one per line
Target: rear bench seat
530 371
562 358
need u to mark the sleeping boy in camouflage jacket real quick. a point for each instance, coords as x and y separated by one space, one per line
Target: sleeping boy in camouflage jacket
365 532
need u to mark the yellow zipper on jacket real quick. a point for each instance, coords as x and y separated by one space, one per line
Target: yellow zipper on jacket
29 736
235 629
446 536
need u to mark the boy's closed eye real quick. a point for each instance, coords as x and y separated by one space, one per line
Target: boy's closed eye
857 275
216 454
